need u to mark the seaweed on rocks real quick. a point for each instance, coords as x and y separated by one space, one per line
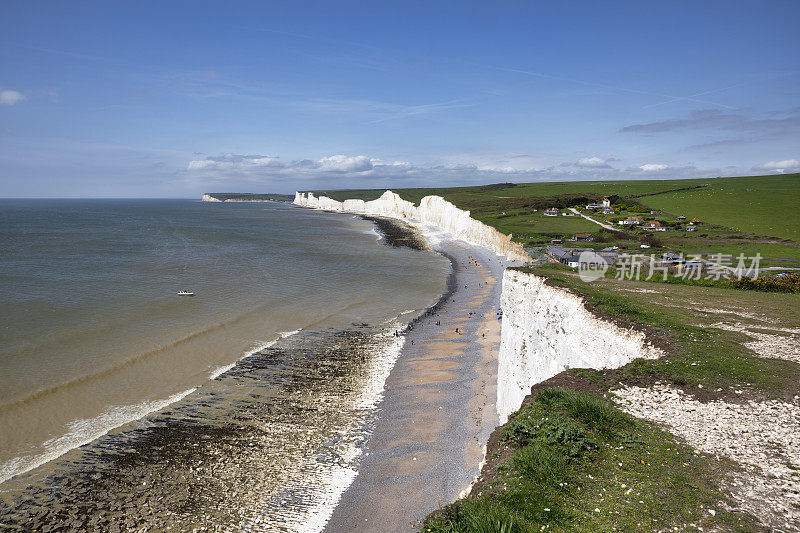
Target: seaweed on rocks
398 233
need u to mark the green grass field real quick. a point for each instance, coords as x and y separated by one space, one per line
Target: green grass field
536 223
764 205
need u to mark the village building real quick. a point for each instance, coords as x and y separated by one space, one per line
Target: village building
607 210
605 203
561 254
552 212
695 221
630 221
691 227
584 237
680 218
654 225
582 257
672 258
593 260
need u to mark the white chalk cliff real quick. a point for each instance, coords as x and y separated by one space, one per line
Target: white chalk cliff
546 330
432 210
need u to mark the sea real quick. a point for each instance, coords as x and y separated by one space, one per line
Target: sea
124 405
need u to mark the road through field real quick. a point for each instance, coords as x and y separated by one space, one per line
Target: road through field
606 226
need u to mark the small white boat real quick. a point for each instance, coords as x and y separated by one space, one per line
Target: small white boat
185 293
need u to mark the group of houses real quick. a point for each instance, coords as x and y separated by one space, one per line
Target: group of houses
655 225
587 257
652 225
604 207
583 257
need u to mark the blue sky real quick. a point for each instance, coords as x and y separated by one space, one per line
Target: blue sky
170 99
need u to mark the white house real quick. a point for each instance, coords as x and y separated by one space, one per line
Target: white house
654 225
606 203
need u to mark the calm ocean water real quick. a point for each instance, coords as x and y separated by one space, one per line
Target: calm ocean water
93 335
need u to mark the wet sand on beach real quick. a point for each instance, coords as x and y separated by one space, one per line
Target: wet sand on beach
439 406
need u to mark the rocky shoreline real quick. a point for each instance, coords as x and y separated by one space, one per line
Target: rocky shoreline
212 465
398 233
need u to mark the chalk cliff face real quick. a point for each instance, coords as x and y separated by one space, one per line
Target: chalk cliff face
546 330
209 198
432 210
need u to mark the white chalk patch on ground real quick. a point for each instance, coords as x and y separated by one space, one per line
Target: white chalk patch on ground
762 437
736 311
768 344
641 291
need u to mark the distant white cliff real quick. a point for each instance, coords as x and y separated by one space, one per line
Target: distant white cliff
547 330
432 210
208 198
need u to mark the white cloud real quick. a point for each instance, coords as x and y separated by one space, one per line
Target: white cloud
9 97
261 164
654 167
202 164
592 162
267 172
779 166
343 163
234 162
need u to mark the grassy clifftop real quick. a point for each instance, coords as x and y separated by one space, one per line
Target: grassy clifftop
571 460
765 205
